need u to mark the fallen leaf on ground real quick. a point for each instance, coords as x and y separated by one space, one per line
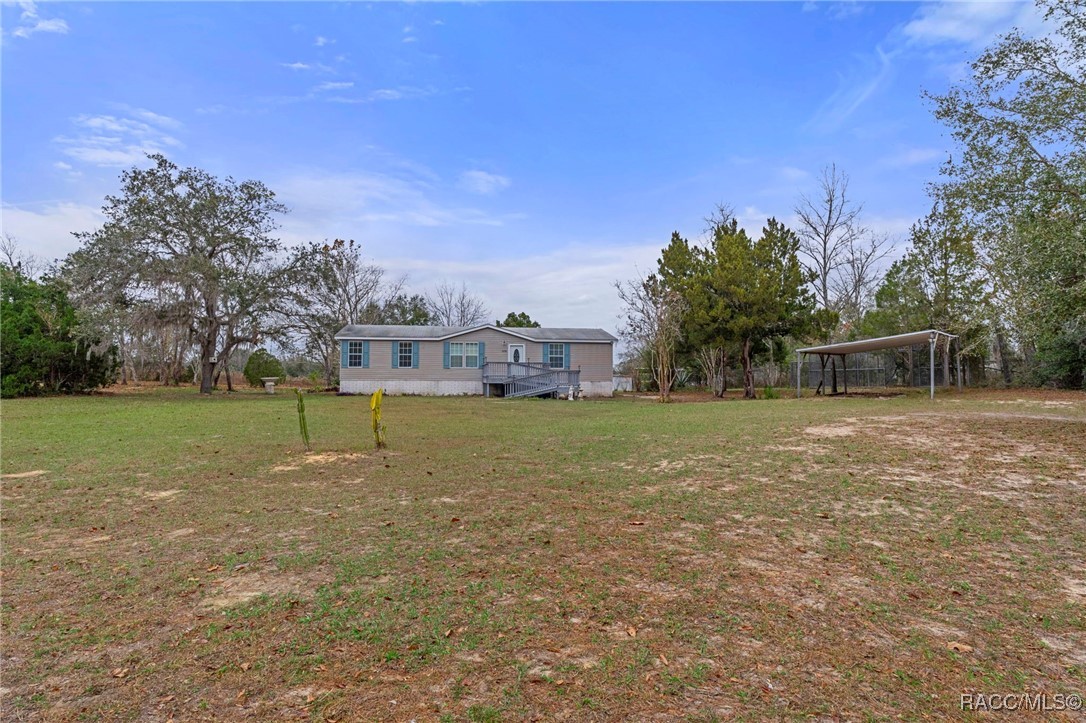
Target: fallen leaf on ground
631 631
119 672
959 647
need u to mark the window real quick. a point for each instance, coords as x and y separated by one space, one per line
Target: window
464 354
405 355
354 353
556 356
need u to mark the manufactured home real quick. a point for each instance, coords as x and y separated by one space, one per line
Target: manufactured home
486 360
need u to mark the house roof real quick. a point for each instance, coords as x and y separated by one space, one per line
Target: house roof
437 333
883 342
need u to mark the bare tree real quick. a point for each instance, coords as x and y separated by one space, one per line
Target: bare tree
25 263
653 320
829 226
335 286
853 287
714 364
452 306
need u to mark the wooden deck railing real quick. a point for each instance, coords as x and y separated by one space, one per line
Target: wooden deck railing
496 372
521 379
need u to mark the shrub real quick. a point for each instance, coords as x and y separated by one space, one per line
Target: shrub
262 364
1061 358
771 393
42 349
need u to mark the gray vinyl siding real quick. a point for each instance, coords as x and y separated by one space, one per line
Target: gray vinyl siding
594 360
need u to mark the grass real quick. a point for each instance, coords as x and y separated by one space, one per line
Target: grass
182 556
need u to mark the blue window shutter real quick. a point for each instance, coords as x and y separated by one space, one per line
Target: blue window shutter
343 354
445 355
546 354
365 355
565 355
395 355
482 354
414 355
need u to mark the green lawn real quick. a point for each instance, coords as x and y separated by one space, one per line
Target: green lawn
177 556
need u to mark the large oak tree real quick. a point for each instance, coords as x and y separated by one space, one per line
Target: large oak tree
190 249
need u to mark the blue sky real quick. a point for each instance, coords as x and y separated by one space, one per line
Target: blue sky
536 151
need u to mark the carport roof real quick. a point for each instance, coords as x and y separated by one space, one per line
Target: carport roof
882 342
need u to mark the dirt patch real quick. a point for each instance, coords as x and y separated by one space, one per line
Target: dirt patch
241 589
831 430
24 475
329 457
160 494
1076 588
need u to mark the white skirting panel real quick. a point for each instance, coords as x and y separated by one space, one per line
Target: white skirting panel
598 389
418 387
450 388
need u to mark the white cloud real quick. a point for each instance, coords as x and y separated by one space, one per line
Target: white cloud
585 273
116 141
321 41
31 22
793 174
913 157
325 204
333 85
853 93
410 39
380 94
482 182
158 119
47 231
935 31
974 24
61 165
299 65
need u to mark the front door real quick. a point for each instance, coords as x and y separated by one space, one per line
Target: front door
517 365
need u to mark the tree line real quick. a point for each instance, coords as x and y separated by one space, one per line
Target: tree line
185 273
1000 259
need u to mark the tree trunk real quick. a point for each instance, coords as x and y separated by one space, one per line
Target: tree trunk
229 381
748 371
1004 356
207 375
331 361
946 365
663 374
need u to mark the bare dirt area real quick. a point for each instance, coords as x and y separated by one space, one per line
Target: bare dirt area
828 559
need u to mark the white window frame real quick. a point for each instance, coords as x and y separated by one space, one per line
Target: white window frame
460 354
551 355
409 354
353 355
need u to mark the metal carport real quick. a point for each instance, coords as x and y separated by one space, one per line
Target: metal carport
884 342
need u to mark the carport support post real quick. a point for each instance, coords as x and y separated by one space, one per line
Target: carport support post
799 373
931 362
958 343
